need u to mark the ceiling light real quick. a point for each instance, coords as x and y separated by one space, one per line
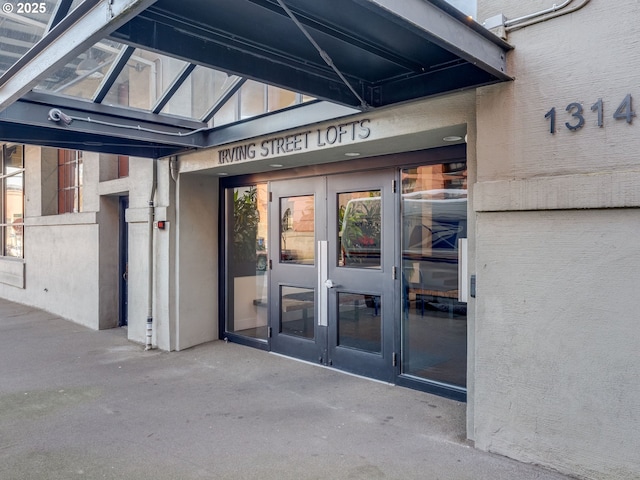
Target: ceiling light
275 165
452 138
352 154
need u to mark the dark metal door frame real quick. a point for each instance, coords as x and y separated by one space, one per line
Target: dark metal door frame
324 348
123 269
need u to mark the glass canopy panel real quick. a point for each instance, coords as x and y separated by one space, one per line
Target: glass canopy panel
82 76
20 30
277 98
228 113
143 80
255 99
199 93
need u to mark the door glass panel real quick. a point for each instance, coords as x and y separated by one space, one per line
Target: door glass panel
297 311
247 261
297 230
359 226
359 322
434 327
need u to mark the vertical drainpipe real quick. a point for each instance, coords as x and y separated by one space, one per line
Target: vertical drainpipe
149 340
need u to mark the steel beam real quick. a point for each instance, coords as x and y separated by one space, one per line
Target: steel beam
293 117
107 125
60 11
432 22
68 139
91 21
195 44
451 79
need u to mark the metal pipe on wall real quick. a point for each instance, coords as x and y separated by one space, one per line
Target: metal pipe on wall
149 332
552 9
543 16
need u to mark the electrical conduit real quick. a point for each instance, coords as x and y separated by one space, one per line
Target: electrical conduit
149 336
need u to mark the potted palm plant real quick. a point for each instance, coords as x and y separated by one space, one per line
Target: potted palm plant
245 231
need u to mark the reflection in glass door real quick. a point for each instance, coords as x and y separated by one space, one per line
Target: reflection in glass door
247 251
332 288
434 320
361 300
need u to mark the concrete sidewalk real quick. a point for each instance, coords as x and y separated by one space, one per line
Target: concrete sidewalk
76 403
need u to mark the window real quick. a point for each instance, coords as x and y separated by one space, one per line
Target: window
69 181
123 166
12 198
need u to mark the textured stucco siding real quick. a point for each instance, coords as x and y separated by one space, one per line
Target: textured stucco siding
557 259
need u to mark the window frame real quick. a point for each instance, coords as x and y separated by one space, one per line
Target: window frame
5 224
70 181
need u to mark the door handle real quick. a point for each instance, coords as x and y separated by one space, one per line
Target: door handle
329 284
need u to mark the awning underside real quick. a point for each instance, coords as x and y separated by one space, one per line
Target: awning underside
360 54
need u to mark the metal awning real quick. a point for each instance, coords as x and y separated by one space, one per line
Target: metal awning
355 54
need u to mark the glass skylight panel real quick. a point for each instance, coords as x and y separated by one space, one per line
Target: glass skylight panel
143 80
146 82
81 77
199 93
20 30
255 99
228 113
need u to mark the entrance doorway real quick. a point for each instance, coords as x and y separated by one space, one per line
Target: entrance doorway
333 280
364 272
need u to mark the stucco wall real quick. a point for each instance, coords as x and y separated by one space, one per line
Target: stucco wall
140 183
197 265
556 345
61 274
61 268
557 264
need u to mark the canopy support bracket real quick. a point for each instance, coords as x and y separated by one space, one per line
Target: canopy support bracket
325 56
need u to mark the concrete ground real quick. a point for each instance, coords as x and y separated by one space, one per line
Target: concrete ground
75 403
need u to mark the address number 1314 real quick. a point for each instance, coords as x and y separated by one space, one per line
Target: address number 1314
577 120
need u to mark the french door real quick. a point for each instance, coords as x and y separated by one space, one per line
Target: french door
333 282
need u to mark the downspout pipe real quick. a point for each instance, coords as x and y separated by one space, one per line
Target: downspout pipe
149 336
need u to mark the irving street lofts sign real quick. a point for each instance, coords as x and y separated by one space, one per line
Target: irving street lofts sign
333 135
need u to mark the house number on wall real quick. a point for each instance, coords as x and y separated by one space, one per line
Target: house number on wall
576 112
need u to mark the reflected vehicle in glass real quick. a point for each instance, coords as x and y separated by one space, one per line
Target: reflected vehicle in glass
433 220
360 232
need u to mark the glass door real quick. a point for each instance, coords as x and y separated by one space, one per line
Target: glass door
361 274
333 288
434 229
298 222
